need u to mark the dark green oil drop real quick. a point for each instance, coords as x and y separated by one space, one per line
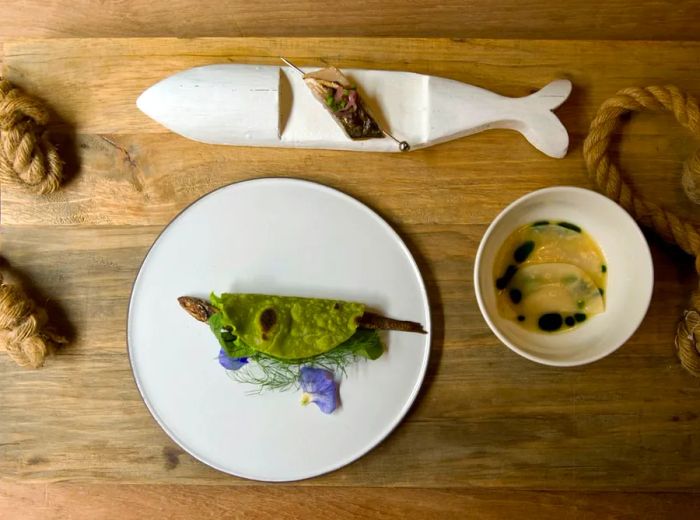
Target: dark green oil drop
603 268
550 322
521 318
541 223
601 291
579 317
504 280
515 296
523 251
570 321
569 225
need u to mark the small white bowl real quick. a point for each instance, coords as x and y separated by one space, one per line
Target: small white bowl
629 284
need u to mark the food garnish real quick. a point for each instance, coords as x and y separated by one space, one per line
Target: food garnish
274 342
342 100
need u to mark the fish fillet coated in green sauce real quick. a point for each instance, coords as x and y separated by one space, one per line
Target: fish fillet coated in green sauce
288 327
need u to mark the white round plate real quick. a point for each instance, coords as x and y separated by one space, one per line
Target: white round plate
287 237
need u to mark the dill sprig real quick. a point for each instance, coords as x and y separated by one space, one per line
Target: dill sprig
266 373
269 373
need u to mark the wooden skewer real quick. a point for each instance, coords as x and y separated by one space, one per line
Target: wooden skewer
403 145
202 310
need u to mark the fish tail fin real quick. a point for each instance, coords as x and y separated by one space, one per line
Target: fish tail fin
538 123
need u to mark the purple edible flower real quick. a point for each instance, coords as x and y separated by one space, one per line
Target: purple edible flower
231 363
319 387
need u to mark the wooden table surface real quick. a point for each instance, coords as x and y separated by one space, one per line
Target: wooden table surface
491 435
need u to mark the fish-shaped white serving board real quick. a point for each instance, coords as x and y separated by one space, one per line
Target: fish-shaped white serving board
267 105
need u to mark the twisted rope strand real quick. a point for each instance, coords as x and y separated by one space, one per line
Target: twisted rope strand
23 332
670 226
26 157
26 153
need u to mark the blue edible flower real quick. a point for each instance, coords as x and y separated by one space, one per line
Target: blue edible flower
231 363
319 387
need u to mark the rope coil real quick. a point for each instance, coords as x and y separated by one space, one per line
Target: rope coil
26 157
26 154
23 331
606 174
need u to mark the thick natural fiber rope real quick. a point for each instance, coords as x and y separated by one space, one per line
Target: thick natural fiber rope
23 331
28 157
26 154
670 226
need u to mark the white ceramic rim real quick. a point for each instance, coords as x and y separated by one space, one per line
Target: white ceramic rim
390 427
477 285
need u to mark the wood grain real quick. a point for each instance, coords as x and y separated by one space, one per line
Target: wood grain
485 418
569 19
129 175
77 502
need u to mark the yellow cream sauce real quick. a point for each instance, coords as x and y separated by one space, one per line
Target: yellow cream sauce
550 276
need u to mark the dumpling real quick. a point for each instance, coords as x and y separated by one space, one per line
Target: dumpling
554 243
566 243
539 292
550 276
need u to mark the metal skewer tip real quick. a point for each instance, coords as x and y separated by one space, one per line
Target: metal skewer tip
403 145
292 65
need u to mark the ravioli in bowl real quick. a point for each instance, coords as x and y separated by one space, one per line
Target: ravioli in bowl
550 276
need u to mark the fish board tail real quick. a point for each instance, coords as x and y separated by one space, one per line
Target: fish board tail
540 126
